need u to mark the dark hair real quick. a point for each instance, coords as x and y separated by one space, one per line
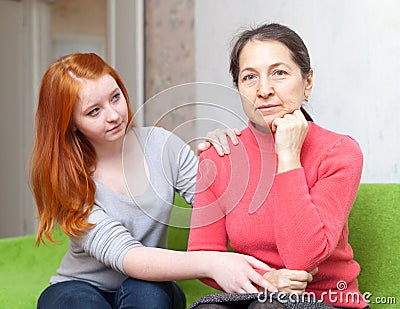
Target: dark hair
278 33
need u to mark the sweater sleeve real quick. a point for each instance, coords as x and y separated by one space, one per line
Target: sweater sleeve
309 221
183 164
108 241
208 218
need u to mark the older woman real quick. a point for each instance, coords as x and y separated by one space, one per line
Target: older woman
284 194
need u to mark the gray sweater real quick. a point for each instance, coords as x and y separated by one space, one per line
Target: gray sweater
123 222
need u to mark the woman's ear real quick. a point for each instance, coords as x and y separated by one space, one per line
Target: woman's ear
74 128
308 84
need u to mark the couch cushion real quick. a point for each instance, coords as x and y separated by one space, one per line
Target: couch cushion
375 238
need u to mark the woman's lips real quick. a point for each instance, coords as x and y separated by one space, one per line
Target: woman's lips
116 128
267 107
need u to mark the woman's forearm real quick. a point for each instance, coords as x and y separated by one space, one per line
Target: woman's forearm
155 264
234 273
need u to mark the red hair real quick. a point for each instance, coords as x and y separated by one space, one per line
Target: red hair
63 160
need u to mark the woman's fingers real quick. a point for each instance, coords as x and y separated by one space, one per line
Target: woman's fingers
298 114
255 263
236 273
203 146
219 140
211 140
248 288
262 283
222 140
290 132
232 133
256 278
290 281
221 137
292 287
314 271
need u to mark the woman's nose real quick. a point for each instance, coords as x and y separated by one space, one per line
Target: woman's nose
264 88
112 114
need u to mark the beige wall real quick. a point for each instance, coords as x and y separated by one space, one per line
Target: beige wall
78 26
77 17
169 61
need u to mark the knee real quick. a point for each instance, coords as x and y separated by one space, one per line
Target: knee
145 294
72 294
146 288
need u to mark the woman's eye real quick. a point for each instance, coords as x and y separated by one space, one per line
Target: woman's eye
94 111
116 96
279 73
249 77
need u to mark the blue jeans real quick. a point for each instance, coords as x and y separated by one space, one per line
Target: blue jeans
132 293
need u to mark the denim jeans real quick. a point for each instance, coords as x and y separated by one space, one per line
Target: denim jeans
132 293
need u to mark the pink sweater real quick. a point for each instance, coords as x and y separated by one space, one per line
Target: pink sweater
295 220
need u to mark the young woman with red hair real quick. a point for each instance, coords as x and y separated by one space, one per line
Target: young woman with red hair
115 257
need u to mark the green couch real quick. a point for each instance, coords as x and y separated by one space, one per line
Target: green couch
374 230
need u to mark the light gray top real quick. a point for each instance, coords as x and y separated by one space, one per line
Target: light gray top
124 222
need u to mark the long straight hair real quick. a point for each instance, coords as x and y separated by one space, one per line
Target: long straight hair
63 160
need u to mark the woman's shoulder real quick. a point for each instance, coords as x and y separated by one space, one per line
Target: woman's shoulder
327 138
211 153
159 139
153 136
153 131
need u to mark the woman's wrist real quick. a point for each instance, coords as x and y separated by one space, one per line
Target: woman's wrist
288 162
201 261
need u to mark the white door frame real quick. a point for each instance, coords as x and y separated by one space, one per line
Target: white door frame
36 57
